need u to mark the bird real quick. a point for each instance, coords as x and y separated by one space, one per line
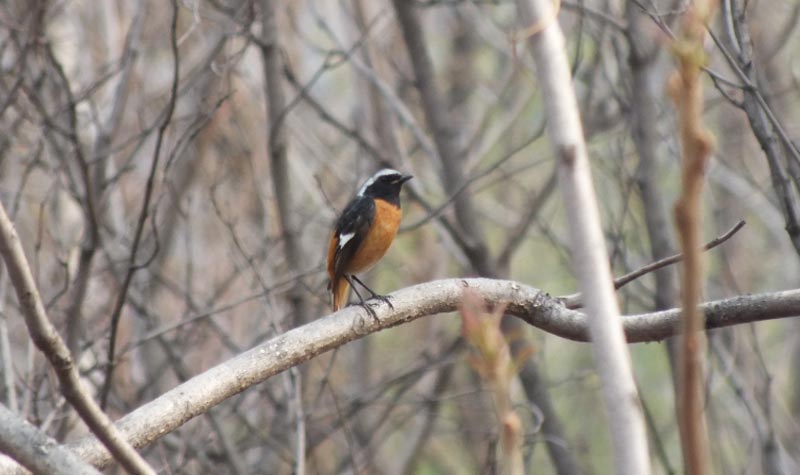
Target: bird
362 235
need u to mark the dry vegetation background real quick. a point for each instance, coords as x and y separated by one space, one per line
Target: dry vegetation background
151 208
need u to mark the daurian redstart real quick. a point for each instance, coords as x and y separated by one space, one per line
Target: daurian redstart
363 234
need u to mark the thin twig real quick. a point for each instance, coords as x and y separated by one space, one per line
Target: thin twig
574 300
763 122
516 236
116 313
628 278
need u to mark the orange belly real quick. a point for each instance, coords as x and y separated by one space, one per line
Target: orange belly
380 237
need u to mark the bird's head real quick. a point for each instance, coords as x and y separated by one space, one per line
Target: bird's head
385 184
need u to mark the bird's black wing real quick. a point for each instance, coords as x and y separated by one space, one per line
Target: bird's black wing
351 229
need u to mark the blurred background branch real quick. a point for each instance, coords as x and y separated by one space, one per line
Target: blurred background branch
686 91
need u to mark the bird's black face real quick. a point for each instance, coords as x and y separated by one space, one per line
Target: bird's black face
385 185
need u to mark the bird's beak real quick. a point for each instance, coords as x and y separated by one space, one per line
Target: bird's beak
406 178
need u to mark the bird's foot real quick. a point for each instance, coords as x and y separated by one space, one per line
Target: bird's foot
368 307
384 299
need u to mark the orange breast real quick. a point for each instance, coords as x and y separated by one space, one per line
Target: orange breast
380 237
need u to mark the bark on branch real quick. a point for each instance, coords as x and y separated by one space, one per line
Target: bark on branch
589 257
199 394
36 450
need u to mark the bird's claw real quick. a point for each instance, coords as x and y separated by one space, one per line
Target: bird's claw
368 307
384 299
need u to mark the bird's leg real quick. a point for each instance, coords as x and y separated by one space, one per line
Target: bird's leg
361 302
374 295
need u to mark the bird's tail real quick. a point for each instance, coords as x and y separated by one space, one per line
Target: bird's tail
340 290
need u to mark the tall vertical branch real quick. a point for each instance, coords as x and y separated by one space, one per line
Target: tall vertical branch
278 155
642 61
686 91
93 183
590 259
646 95
382 121
444 137
468 233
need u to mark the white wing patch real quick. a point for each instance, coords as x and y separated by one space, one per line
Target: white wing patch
345 238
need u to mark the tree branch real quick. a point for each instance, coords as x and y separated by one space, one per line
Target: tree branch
766 128
278 151
35 450
199 394
645 92
445 137
467 233
628 278
686 90
575 301
589 257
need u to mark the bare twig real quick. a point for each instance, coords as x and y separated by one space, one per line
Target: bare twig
429 416
574 300
50 343
379 115
516 236
285 199
9 390
628 278
93 184
132 267
764 124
